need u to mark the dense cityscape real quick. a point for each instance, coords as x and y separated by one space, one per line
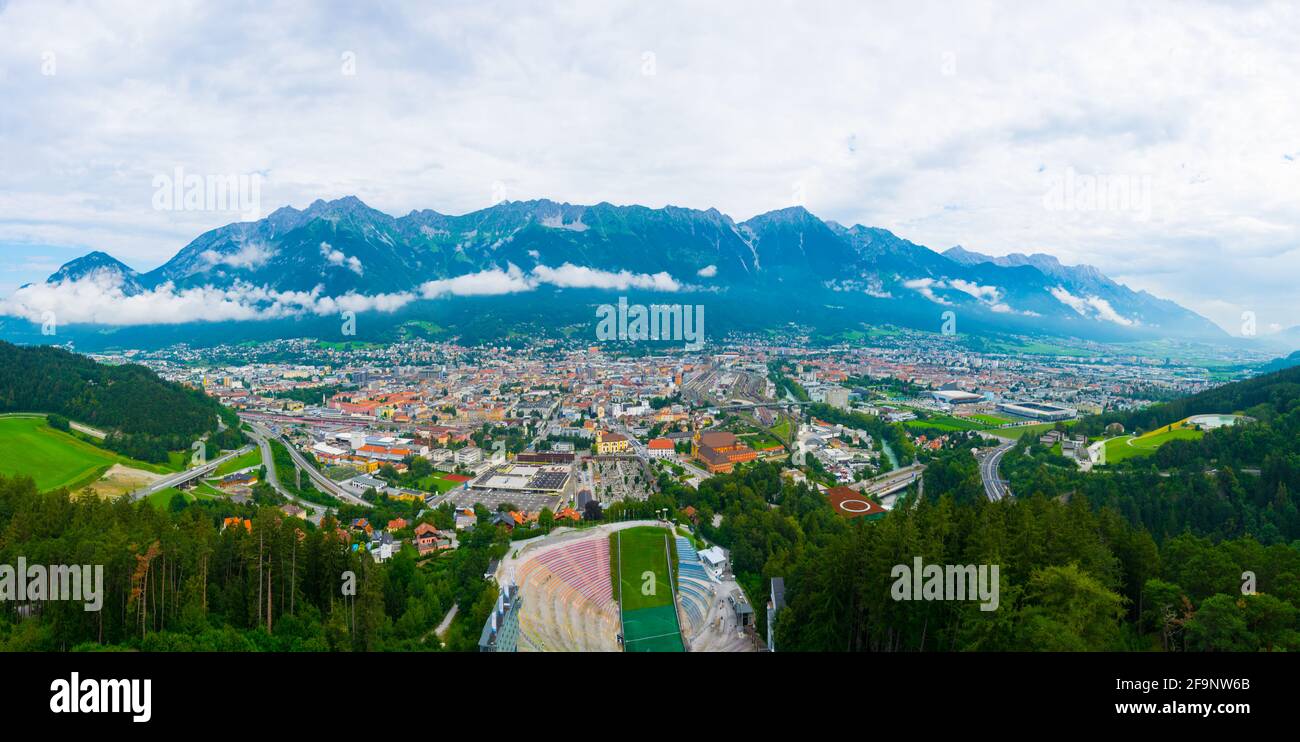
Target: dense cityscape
357 362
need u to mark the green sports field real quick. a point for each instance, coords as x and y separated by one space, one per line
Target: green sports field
993 420
437 483
946 422
643 582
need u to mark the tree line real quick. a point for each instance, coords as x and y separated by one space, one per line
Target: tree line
186 578
145 416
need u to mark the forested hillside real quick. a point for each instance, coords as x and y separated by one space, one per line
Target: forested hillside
1072 576
176 580
1234 481
1278 392
145 416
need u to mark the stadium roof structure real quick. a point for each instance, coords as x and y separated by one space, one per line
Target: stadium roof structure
956 396
1038 410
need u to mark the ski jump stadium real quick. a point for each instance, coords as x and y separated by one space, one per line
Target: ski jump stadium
636 586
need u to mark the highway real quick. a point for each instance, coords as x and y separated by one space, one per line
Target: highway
322 482
182 477
273 479
994 487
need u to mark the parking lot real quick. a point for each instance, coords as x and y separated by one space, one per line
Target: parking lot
465 498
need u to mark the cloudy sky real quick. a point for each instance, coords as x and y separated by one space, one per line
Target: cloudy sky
1159 143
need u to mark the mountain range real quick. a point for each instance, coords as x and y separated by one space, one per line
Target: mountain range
779 267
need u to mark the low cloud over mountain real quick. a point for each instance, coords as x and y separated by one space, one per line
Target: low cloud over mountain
343 255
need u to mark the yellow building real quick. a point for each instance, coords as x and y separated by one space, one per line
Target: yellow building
610 443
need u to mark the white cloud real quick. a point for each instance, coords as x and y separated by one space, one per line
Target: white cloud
925 287
99 298
1108 313
485 283
336 257
989 296
1093 307
1070 300
986 294
573 276
708 271
251 255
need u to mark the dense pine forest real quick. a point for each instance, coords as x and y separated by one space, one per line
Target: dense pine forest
1074 575
186 579
145 416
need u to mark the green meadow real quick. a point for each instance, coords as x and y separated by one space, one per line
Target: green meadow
1128 446
54 459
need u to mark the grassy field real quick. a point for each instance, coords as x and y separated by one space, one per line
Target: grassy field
176 461
163 498
1034 430
642 549
1159 437
782 428
760 440
993 420
1128 446
947 422
53 458
1118 449
436 483
203 489
639 567
243 461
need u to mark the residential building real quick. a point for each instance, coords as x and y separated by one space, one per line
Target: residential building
661 448
469 456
